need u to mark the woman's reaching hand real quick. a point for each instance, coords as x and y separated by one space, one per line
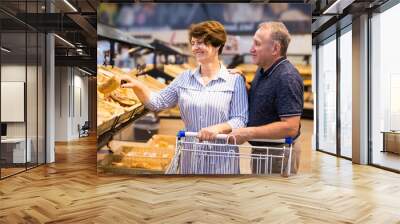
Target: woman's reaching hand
128 82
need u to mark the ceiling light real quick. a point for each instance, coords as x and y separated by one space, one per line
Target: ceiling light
86 72
70 5
338 6
64 40
5 49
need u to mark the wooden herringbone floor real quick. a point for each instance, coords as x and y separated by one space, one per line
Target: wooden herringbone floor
70 191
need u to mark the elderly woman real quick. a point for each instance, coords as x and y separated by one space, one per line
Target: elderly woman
211 100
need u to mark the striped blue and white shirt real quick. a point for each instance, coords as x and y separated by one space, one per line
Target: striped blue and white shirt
223 99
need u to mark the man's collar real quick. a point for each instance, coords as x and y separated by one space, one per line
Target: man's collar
269 70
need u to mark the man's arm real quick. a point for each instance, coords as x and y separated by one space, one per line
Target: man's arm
286 127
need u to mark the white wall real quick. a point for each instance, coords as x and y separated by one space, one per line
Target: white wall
80 115
61 103
16 73
82 82
33 127
71 93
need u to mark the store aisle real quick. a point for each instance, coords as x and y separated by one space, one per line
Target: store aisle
70 191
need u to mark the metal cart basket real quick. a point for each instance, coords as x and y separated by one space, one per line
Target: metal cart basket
221 157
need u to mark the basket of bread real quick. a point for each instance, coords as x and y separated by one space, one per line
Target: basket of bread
140 158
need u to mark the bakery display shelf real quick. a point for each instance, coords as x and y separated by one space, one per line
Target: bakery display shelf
162 47
156 73
126 157
117 119
151 82
106 166
106 126
172 113
176 69
304 70
106 136
249 70
169 116
128 114
308 110
114 34
109 70
127 171
167 69
307 82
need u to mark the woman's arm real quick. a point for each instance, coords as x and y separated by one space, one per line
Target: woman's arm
140 89
238 114
239 108
210 133
166 98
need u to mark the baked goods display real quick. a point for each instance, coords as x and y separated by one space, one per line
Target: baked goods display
109 108
115 102
116 106
125 97
249 70
304 70
172 112
173 69
155 155
151 82
109 85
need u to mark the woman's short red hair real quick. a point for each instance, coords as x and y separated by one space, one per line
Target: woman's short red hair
212 32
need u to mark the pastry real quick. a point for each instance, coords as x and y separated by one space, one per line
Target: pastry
109 85
124 96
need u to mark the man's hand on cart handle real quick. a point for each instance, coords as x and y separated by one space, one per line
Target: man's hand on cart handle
248 134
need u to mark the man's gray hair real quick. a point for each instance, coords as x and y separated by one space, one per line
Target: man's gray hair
279 33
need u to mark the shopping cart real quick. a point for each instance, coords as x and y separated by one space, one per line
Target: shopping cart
221 157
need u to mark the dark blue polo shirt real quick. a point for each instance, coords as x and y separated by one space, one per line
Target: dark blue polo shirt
275 93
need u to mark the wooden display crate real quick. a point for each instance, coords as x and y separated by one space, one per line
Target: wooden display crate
106 126
139 158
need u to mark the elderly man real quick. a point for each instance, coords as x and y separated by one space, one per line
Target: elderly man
275 97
